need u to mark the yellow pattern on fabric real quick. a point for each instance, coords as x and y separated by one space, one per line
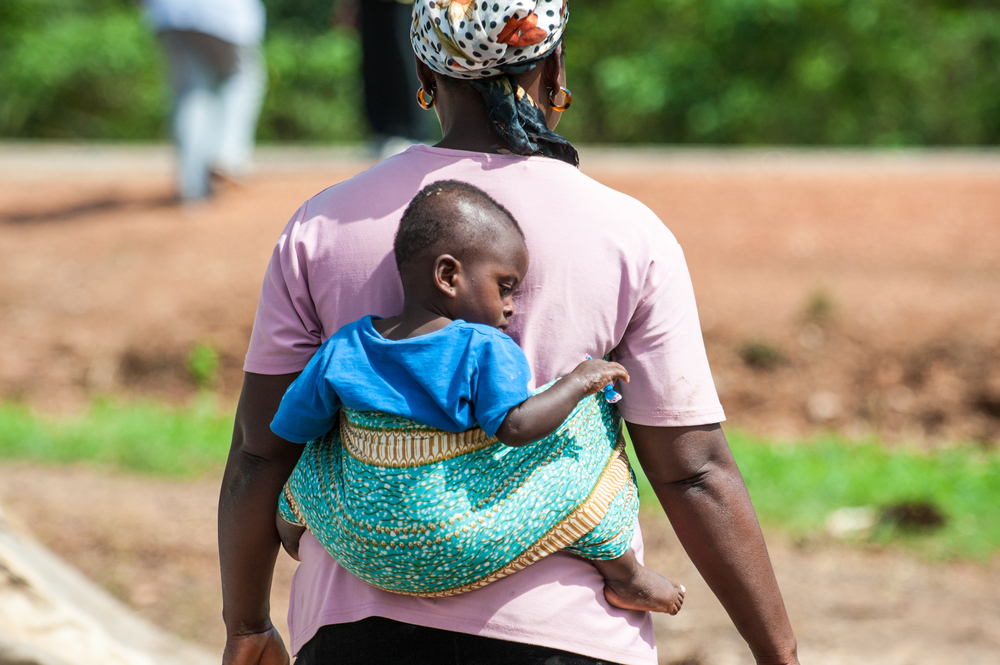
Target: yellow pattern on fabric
418 511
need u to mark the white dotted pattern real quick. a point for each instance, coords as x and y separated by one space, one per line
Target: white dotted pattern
473 39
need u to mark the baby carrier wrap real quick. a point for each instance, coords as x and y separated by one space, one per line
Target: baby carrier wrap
420 511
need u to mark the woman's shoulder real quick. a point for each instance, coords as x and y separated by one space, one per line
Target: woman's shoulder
576 188
378 190
599 194
577 204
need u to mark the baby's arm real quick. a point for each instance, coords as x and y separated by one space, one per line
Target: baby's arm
540 415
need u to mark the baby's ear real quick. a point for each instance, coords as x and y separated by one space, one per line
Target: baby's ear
447 273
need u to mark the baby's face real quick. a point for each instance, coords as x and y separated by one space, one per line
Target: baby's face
490 279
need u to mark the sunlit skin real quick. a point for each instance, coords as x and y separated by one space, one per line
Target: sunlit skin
691 469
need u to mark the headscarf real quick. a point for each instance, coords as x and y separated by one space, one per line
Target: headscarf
489 42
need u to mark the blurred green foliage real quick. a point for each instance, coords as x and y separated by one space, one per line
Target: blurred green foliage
314 88
862 72
91 69
203 364
796 487
140 437
75 69
837 72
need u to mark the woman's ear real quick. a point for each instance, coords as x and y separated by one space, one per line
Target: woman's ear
447 274
554 71
425 75
553 78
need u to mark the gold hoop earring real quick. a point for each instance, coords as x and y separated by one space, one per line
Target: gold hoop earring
422 99
567 99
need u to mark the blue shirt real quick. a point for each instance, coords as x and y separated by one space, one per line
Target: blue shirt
463 375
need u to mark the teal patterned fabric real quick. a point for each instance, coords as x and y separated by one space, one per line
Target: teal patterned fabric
446 526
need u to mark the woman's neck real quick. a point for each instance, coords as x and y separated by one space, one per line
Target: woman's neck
464 121
473 143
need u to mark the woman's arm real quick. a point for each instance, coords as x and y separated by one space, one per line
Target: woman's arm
702 491
258 466
540 415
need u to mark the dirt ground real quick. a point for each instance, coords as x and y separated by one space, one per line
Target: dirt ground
152 543
847 292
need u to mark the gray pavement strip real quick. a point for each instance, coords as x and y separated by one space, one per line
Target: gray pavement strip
36 159
52 615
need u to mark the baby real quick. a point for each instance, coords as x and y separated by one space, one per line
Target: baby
444 362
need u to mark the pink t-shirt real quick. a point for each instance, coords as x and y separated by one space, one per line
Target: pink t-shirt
605 276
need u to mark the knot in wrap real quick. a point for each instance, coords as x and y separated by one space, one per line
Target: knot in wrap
488 43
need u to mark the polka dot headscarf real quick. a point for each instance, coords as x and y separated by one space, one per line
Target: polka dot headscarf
472 39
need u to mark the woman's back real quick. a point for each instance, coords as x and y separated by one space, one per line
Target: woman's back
605 276
601 262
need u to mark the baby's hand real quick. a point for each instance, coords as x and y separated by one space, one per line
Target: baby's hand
594 375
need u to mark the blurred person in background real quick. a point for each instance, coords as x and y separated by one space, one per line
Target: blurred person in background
218 79
390 79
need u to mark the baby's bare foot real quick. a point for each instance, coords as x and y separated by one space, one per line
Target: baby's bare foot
646 591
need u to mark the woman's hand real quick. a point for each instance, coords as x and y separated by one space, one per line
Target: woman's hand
593 375
255 649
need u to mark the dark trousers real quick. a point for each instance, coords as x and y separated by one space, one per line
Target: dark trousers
389 71
379 641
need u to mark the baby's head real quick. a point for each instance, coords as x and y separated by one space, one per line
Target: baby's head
461 253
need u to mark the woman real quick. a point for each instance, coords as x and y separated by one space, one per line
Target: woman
605 277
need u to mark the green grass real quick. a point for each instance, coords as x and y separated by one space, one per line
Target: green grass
795 487
138 437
